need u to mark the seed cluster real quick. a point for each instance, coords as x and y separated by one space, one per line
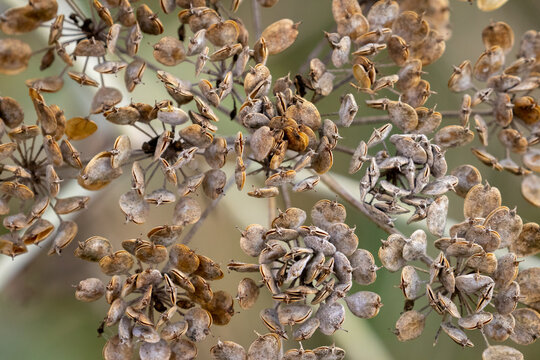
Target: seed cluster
30 182
509 91
155 308
161 302
313 264
467 284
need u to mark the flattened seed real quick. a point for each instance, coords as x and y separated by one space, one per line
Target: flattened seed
501 352
410 325
265 347
228 350
527 328
331 317
481 200
364 304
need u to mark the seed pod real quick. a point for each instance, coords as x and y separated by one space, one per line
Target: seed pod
499 352
481 200
293 314
456 334
415 247
89 290
500 327
461 78
64 236
94 249
475 321
325 213
527 328
468 176
331 317
530 188
364 268
14 56
134 207
183 348
248 292
115 264
265 347
472 283
187 211
410 325
145 334
116 349
529 284
228 350
489 62
453 136
483 262
390 253
506 299
410 282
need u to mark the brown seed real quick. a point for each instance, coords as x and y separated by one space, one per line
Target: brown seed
90 289
169 51
481 200
94 249
14 56
501 352
456 334
187 211
331 317
228 350
248 292
530 188
410 325
527 328
134 207
115 349
528 242
265 347
500 327
118 263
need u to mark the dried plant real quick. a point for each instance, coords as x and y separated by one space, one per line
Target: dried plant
161 301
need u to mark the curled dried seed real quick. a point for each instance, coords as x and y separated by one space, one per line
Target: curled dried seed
456 334
475 321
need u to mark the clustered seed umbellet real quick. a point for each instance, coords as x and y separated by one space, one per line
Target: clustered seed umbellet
291 144
508 90
467 284
153 306
30 155
305 265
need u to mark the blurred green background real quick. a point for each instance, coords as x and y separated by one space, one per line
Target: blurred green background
41 318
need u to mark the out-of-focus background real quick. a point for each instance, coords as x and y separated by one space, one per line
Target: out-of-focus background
40 318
